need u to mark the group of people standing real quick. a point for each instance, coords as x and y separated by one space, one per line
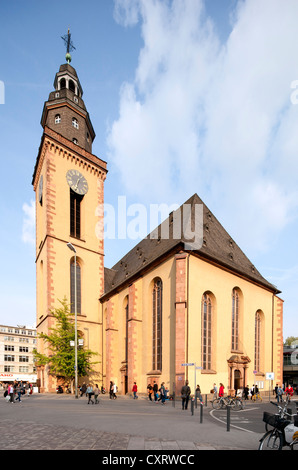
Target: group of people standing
159 394
16 390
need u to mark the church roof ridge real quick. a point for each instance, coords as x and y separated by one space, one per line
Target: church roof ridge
217 247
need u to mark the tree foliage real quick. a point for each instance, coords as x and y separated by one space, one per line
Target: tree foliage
61 355
291 340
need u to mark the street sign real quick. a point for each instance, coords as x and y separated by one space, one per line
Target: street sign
188 364
269 375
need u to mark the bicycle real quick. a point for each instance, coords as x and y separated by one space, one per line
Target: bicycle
284 432
282 410
237 404
222 402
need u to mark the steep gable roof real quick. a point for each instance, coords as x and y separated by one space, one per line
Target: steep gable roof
217 247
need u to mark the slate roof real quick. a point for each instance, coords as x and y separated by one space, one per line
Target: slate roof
217 247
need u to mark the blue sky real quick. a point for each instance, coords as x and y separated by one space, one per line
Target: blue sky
184 96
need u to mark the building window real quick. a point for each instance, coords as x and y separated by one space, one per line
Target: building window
257 341
235 320
57 119
8 358
62 83
75 123
76 269
206 332
75 141
126 328
23 359
157 326
75 214
71 86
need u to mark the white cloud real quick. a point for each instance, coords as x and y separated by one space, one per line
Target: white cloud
28 229
211 118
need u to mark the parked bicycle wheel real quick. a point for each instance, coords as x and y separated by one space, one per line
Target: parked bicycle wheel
217 404
237 404
272 440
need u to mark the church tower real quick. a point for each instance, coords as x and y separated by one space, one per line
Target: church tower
68 181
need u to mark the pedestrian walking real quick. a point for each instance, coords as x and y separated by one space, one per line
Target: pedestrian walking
221 390
96 393
11 393
115 390
185 394
111 390
162 392
134 391
18 392
90 392
246 392
83 389
155 391
150 391
198 394
279 394
215 391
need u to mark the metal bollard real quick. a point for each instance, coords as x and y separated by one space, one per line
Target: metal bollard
228 417
192 405
201 412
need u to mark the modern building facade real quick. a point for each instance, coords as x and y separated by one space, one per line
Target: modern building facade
167 311
16 354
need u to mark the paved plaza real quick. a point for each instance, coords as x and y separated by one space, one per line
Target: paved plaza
62 422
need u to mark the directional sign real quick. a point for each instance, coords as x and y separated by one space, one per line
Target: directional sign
188 364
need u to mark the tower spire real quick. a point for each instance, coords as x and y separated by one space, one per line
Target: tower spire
69 45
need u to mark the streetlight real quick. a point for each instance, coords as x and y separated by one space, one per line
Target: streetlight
72 248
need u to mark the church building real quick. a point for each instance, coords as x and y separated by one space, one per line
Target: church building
168 311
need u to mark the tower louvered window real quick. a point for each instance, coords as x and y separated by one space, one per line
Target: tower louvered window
75 214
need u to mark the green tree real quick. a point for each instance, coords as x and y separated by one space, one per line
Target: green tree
61 358
291 340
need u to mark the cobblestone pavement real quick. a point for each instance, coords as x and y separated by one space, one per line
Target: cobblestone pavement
32 436
64 423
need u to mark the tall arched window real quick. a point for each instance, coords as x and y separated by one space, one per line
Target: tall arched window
206 332
73 287
126 309
257 341
235 320
157 325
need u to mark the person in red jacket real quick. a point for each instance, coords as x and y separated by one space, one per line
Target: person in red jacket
221 390
289 391
135 389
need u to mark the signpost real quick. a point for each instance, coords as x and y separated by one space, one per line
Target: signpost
190 364
270 377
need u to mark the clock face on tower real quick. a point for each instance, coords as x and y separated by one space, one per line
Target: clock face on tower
77 182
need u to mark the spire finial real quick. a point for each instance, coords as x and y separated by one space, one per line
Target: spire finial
69 45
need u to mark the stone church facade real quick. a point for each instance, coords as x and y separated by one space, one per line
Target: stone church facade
165 304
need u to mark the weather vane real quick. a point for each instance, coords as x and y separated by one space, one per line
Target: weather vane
69 45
